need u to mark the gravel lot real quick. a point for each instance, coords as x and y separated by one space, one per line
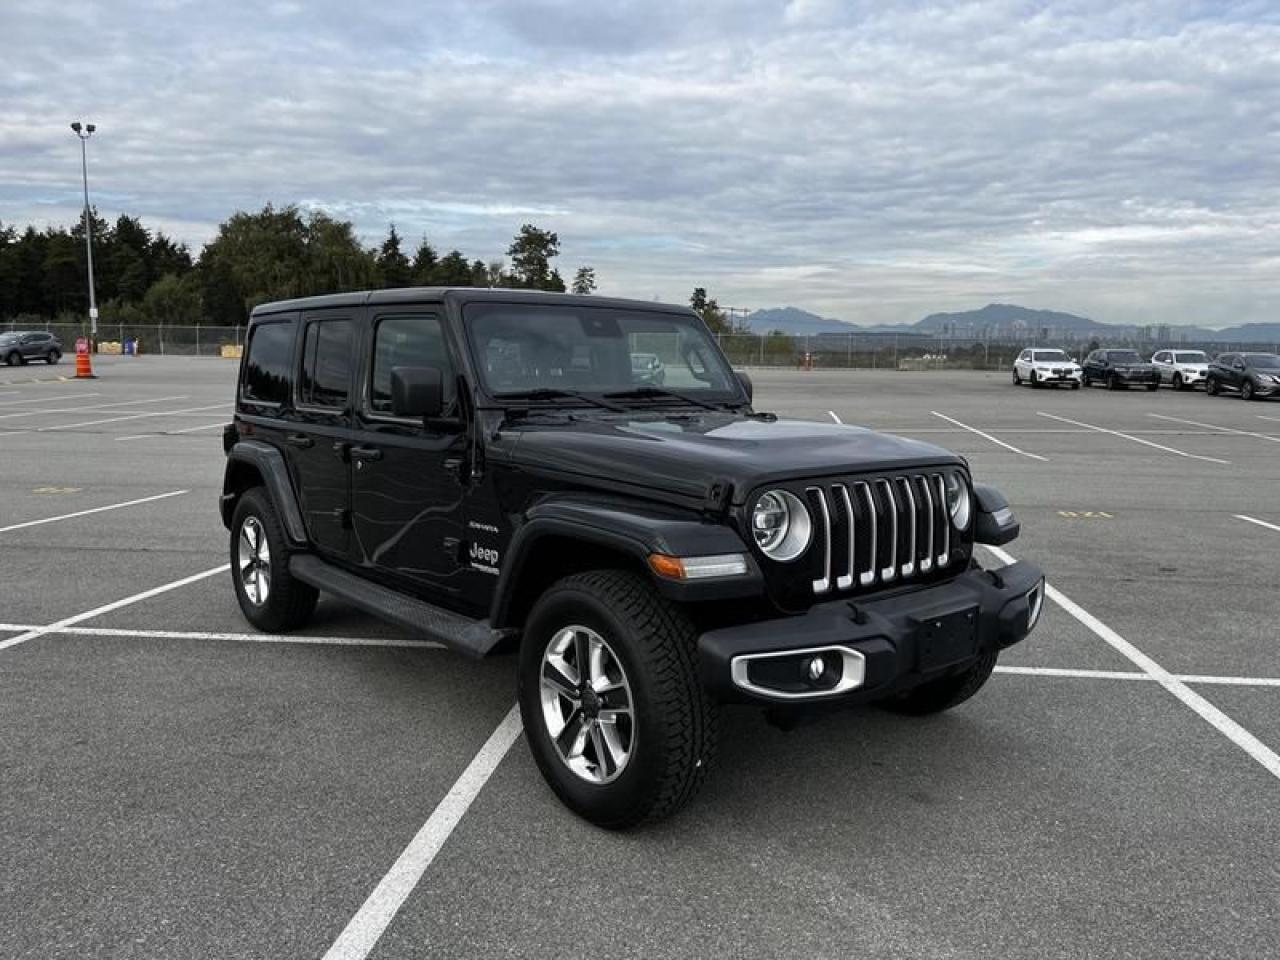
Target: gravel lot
176 786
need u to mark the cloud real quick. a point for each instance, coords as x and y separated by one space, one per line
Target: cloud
862 160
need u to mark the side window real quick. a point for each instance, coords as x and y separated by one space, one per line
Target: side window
267 362
1025 356
408 341
327 354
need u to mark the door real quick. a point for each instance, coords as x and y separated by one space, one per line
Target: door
1161 361
410 498
35 345
318 437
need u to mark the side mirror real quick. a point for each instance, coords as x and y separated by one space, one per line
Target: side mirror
417 392
746 384
994 522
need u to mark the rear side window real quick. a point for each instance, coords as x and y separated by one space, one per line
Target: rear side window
327 355
407 342
266 365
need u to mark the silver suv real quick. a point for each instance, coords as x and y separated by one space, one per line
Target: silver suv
23 346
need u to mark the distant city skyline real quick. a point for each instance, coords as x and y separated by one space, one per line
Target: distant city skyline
865 161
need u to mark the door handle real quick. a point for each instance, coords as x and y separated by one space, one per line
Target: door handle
364 454
299 440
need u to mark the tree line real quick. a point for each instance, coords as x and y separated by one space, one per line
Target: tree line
143 276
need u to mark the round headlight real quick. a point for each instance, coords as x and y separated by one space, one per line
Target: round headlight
780 525
958 500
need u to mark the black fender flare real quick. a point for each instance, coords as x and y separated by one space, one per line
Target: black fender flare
270 465
633 530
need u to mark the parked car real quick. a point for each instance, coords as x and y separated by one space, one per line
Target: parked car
1254 376
649 552
648 368
1181 369
1046 367
1119 369
23 346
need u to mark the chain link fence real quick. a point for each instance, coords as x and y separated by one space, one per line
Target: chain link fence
198 340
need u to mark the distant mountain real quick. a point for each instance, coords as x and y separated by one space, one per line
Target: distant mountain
795 321
1248 333
1006 316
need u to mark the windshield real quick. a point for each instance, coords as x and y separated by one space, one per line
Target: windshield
1190 356
1123 356
1265 361
1050 356
9 336
594 350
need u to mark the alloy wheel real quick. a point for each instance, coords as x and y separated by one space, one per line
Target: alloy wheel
254 561
587 706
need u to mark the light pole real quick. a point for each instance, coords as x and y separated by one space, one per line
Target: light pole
84 133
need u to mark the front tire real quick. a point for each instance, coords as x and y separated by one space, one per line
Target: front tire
1035 381
1113 382
53 357
945 693
1177 382
1017 380
1211 387
1246 390
270 598
617 721
14 359
1152 386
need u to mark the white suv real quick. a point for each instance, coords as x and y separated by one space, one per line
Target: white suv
1040 367
1182 369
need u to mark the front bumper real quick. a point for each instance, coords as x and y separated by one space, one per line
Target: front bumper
1058 376
873 648
1137 376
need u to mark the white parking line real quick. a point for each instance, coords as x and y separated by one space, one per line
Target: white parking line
297 639
133 416
833 416
1261 523
1214 426
377 912
1233 731
15 403
1133 675
108 607
172 433
1264 417
90 406
1129 436
85 513
1001 443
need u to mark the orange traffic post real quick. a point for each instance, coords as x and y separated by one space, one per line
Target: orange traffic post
84 368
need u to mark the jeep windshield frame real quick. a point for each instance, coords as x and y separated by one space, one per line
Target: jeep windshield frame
572 354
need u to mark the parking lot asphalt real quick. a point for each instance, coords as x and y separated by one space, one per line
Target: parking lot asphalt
179 786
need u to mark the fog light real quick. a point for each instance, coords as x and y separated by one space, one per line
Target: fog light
817 667
1035 603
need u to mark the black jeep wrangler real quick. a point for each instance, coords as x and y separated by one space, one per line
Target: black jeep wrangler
490 469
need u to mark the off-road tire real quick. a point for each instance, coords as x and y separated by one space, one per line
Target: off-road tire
944 693
676 725
289 602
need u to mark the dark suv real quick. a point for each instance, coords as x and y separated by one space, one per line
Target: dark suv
23 346
1253 375
1118 369
489 470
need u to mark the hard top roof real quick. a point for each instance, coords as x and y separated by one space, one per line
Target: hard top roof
409 295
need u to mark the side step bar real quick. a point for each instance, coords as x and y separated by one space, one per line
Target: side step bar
472 637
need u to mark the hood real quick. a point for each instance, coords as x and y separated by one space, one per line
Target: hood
686 455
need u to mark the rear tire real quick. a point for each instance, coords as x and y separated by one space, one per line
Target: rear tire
270 597
1211 387
938 695
650 758
1017 380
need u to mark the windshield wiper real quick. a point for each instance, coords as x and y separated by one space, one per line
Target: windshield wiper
655 393
554 393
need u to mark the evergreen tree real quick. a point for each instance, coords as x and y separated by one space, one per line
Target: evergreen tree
393 265
584 281
531 253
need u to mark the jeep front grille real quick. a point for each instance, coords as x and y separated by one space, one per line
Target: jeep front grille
879 530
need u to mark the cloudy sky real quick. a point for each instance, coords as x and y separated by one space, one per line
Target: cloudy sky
866 160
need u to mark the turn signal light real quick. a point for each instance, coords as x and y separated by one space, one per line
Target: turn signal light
698 568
